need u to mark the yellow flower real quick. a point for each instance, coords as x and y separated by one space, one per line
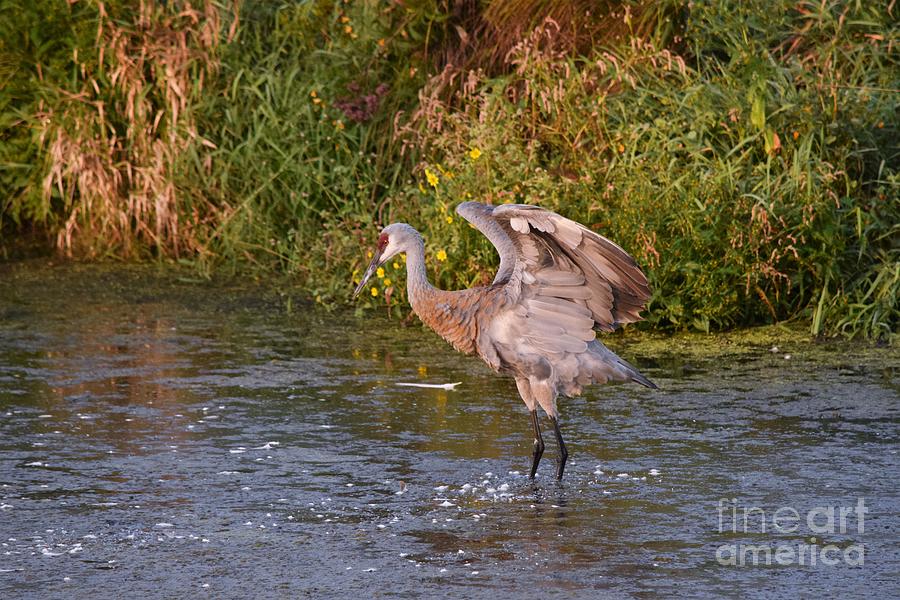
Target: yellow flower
449 219
387 282
621 148
374 291
381 42
348 29
441 255
345 19
380 273
396 266
431 177
474 153
369 254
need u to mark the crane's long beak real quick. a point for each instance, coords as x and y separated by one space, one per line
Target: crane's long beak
373 266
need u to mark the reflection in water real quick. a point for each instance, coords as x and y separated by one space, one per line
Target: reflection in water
177 435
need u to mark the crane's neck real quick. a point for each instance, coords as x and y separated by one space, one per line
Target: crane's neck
418 287
452 315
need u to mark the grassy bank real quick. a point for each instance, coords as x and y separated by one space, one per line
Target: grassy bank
745 153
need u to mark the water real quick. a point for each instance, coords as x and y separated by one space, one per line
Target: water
165 438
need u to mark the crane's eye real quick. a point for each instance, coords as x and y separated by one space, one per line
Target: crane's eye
382 242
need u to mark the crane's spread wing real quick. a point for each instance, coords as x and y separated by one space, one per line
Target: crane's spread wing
566 279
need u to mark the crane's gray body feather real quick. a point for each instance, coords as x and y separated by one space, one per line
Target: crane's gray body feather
561 282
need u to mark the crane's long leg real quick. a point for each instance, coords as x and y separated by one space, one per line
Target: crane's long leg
563 453
538 443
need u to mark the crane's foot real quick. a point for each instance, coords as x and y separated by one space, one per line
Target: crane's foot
538 448
563 453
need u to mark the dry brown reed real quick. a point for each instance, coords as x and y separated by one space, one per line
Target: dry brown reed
112 145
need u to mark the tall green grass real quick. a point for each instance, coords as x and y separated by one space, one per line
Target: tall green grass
745 152
298 181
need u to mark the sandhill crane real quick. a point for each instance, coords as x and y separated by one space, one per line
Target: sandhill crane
557 283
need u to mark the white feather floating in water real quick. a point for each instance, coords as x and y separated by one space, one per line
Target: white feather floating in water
434 386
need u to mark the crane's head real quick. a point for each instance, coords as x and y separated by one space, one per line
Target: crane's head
394 239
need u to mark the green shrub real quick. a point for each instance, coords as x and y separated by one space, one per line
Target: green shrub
747 178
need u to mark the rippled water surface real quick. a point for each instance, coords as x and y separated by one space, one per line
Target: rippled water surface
167 438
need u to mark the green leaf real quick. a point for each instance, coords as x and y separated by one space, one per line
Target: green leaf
758 112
